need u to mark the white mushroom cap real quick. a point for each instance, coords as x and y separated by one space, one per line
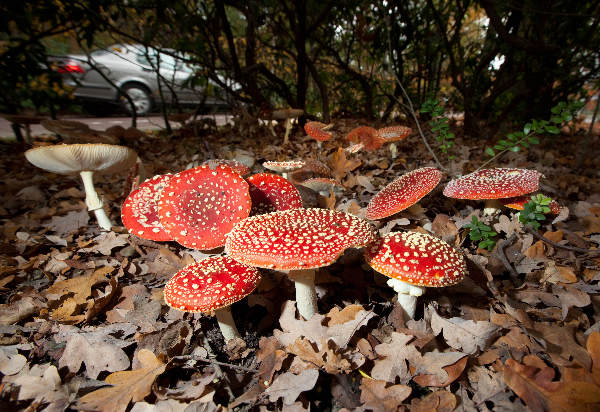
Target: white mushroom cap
75 158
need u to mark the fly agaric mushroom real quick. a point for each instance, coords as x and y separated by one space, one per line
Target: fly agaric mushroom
403 192
414 261
140 210
392 134
321 185
284 167
211 286
492 184
311 168
236 166
317 131
354 148
272 193
299 241
199 206
287 115
365 135
518 203
85 159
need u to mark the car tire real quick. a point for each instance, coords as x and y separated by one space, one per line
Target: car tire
142 99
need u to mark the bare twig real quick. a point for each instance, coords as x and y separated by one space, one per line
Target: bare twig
208 360
502 256
558 245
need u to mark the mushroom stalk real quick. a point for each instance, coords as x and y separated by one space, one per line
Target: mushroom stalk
93 202
306 296
288 127
407 295
492 207
227 324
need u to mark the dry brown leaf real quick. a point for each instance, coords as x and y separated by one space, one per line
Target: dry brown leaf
441 401
556 274
593 347
289 386
378 397
106 242
444 228
271 357
21 308
440 369
63 225
341 165
396 355
331 360
128 386
538 389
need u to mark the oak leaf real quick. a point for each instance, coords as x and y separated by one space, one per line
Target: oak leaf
289 386
341 165
128 386
441 401
395 354
440 369
378 397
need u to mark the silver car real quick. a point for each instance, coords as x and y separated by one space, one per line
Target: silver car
136 70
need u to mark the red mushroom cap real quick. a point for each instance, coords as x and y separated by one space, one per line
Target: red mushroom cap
211 284
365 135
140 210
236 166
403 192
272 193
199 206
496 183
297 238
356 147
315 130
393 133
416 258
518 203
284 167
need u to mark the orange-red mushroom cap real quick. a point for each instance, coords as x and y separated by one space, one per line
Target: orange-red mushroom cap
403 192
518 203
297 238
140 210
210 284
416 258
495 183
315 130
271 193
199 206
393 133
365 135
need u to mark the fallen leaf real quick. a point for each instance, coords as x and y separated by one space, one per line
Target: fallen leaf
128 386
440 369
21 308
329 358
395 354
341 165
11 362
106 242
72 221
441 401
378 397
289 386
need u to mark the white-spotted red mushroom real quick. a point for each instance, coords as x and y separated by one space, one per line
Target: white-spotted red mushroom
392 134
199 206
317 131
492 184
403 192
354 148
414 261
299 241
272 193
284 167
85 160
321 185
236 166
518 203
365 135
211 286
140 210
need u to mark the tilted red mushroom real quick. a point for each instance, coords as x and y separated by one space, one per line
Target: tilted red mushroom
236 166
518 203
211 286
316 130
414 261
297 240
199 206
140 210
491 184
272 193
365 135
403 192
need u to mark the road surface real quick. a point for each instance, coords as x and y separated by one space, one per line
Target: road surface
102 123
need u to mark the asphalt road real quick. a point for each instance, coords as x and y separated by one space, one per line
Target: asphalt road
103 123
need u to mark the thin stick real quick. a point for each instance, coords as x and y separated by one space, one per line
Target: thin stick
208 360
500 253
558 245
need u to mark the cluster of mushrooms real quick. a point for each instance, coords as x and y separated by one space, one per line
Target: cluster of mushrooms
261 223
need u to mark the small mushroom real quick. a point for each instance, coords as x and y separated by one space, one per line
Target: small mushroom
199 206
414 261
211 286
392 134
492 184
403 192
298 241
272 193
236 166
284 167
287 115
365 135
317 131
84 159
518 203
140 210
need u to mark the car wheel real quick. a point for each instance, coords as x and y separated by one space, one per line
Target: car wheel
142 100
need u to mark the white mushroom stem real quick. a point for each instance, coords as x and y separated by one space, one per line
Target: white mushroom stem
227 324
93 202
492 207
393 150
306 296
407 295
288 127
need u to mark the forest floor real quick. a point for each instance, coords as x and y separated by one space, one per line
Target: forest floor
82 309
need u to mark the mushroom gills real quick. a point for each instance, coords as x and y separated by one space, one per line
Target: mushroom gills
407 295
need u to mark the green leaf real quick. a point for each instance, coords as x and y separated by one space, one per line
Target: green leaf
552 129
527 128
489 151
